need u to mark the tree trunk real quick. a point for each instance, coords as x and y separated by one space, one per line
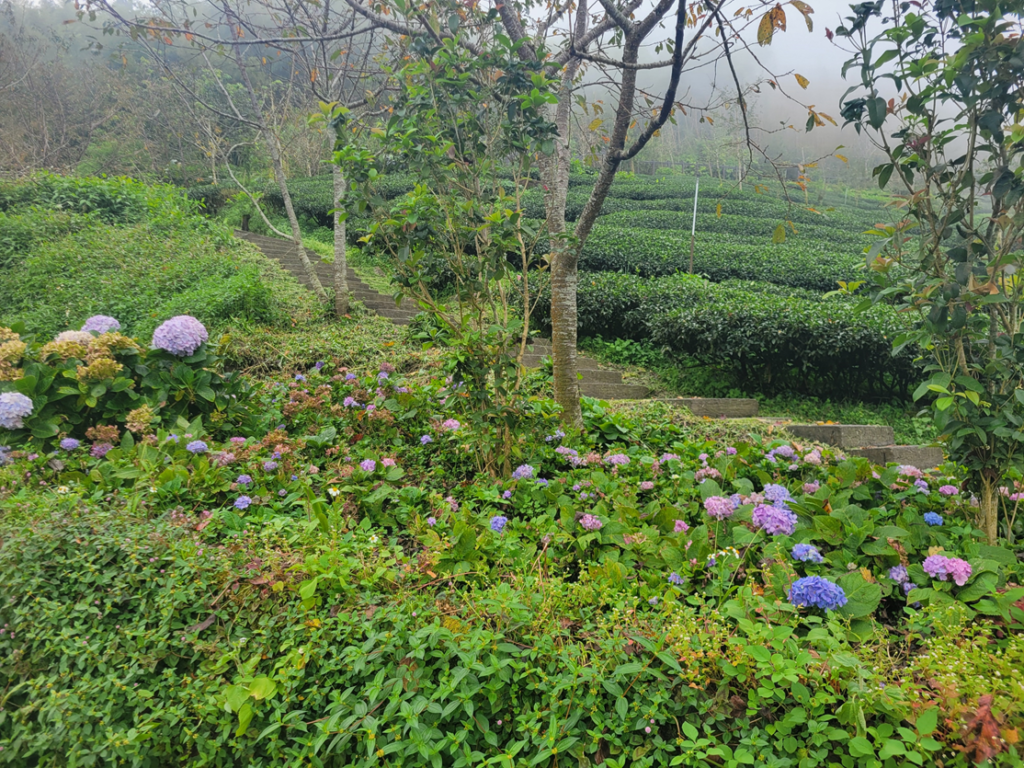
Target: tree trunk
340 262
555 175
989 509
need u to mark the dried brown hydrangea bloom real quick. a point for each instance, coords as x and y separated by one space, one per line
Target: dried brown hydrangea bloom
103 433
99 369
140 419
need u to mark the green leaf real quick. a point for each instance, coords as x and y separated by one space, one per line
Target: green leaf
262 688
862 596
244 718
928 721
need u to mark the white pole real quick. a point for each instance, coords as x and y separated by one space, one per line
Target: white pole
693 229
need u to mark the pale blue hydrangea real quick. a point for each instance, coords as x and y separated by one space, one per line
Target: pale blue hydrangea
69 444
933 518
14 407
197 446
181 335
498 523
522 472
101 324
807 553
242 502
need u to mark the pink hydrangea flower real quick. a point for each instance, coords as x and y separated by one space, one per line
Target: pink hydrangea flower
680 527
718 507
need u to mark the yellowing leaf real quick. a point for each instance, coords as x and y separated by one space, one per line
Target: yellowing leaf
804 82
765 30
718 210
779 235
840 157
806 10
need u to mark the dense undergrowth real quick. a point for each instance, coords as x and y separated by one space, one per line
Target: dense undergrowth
328 577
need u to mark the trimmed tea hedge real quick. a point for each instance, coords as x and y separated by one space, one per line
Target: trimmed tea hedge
767 338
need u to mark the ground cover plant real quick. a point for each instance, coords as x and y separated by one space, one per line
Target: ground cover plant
332 579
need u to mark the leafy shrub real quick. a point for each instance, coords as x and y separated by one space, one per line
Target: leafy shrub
19 232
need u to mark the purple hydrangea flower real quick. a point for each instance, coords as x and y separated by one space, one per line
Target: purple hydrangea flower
425 439
242 502
807 553
668 457
69 444
453 505
282 492
949 490
921 485
777 521
14 407
522 472
730 451
450 424
646 485
101 324
898 573
942 568
719 507
269 466
617 460
368 465
933 518
675 578
299 377
591 522
507 495
541 481
817 592
382 376
99 450
350 377
498 523
558 435
181 336
197 446
431 521
680 526
812 487
244 480
319 365
350 402
736 500
238 440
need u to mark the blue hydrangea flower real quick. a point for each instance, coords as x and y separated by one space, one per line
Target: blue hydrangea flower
196 446
898 573
817 592
933 518
299 377
181 335
269 466
807 553
498 523
522 472
425 439
14 407
675 578
244 480
242 502
776 493
506 495
69 444
101 324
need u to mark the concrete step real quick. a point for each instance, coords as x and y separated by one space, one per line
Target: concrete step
582 363
614 391
844 435
920 456
716 407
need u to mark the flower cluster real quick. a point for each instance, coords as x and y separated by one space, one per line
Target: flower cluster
522 472
14 407
12 348
777 521
69 444
807 553
933 518
591 522
817 592
719 507
450 425
101 324
197 446
776 493
942 568
948 490
617 459
498 523
181 336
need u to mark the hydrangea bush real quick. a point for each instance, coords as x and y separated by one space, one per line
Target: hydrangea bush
80 379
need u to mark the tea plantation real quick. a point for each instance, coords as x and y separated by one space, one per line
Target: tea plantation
234 533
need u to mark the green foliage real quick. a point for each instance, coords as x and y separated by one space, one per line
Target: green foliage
764 338
351 611
64 267
959 275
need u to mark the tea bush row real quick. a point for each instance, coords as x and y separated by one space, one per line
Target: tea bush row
767 338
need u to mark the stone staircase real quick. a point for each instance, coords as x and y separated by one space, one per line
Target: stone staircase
872 442
284 252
